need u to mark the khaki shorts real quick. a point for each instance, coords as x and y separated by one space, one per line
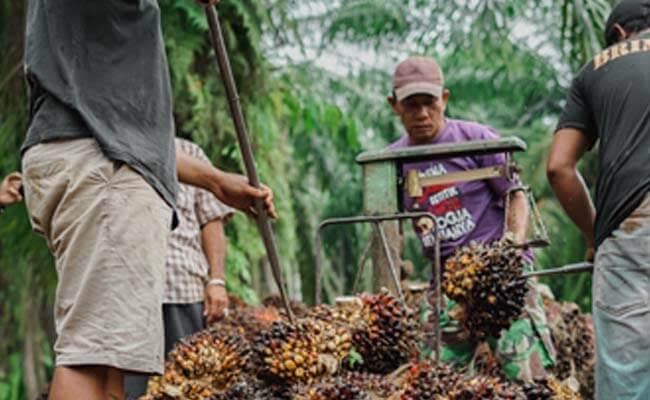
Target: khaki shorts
107 229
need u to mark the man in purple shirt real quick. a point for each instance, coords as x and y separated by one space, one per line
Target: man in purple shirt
466 211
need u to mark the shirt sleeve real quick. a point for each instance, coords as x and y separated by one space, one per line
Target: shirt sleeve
501 186
577 113
208 208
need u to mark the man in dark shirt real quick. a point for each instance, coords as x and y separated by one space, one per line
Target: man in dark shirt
609 103
100 174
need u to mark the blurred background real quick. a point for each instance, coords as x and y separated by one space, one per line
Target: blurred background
313 77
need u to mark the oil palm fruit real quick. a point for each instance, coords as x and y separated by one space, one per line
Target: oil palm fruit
426 381
386 334
538 390
486 388
573 335
289 353
377 385
337 389
200 365
487 281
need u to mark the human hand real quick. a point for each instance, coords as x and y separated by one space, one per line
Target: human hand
235 191
215 303
10 189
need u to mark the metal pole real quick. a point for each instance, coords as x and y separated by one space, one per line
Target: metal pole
263 222
437 270
356 220
391 262
567 269
362 265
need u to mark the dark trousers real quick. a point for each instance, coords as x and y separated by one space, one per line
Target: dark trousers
180 320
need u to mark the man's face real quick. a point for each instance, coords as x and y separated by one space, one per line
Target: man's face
422 115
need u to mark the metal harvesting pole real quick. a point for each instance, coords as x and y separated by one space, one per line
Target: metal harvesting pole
567 269
237 114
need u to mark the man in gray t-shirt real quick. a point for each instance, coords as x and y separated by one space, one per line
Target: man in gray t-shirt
608 105
100 175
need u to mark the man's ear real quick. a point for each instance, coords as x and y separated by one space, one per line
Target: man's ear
445 98
394 104
622 33
445 95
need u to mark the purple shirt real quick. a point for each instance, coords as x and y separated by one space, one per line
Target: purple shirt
465 211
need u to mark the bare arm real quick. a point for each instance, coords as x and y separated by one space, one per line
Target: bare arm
232 189
569 145
214 245
518 215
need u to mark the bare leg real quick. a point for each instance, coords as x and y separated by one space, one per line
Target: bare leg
114 384
83 382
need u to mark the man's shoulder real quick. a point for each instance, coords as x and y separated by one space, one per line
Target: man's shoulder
462 130
399 143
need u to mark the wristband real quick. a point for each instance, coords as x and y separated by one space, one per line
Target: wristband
216 282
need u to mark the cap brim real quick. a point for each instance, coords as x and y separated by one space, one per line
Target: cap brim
418 88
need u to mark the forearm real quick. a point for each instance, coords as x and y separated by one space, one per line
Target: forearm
214 245
195 172
518 215
571 191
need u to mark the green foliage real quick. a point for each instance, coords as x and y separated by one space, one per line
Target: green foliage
354 358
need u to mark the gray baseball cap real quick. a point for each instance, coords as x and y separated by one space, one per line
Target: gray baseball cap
418 75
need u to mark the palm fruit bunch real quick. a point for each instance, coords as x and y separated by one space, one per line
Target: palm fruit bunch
538 390
486 388
485 362
426 381
549 389
377 385
200 365
415 294
337 389
585 355
487 282
291 353
333 340
248 322
253 388
574 339
386 335
174 385
275 301
345 314
219 355
559 317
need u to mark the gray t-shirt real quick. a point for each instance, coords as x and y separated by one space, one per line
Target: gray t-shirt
97 68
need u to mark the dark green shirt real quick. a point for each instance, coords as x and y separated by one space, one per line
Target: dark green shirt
97 68
610 102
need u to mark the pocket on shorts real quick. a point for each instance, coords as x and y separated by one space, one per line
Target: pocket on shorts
622 276
40 179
